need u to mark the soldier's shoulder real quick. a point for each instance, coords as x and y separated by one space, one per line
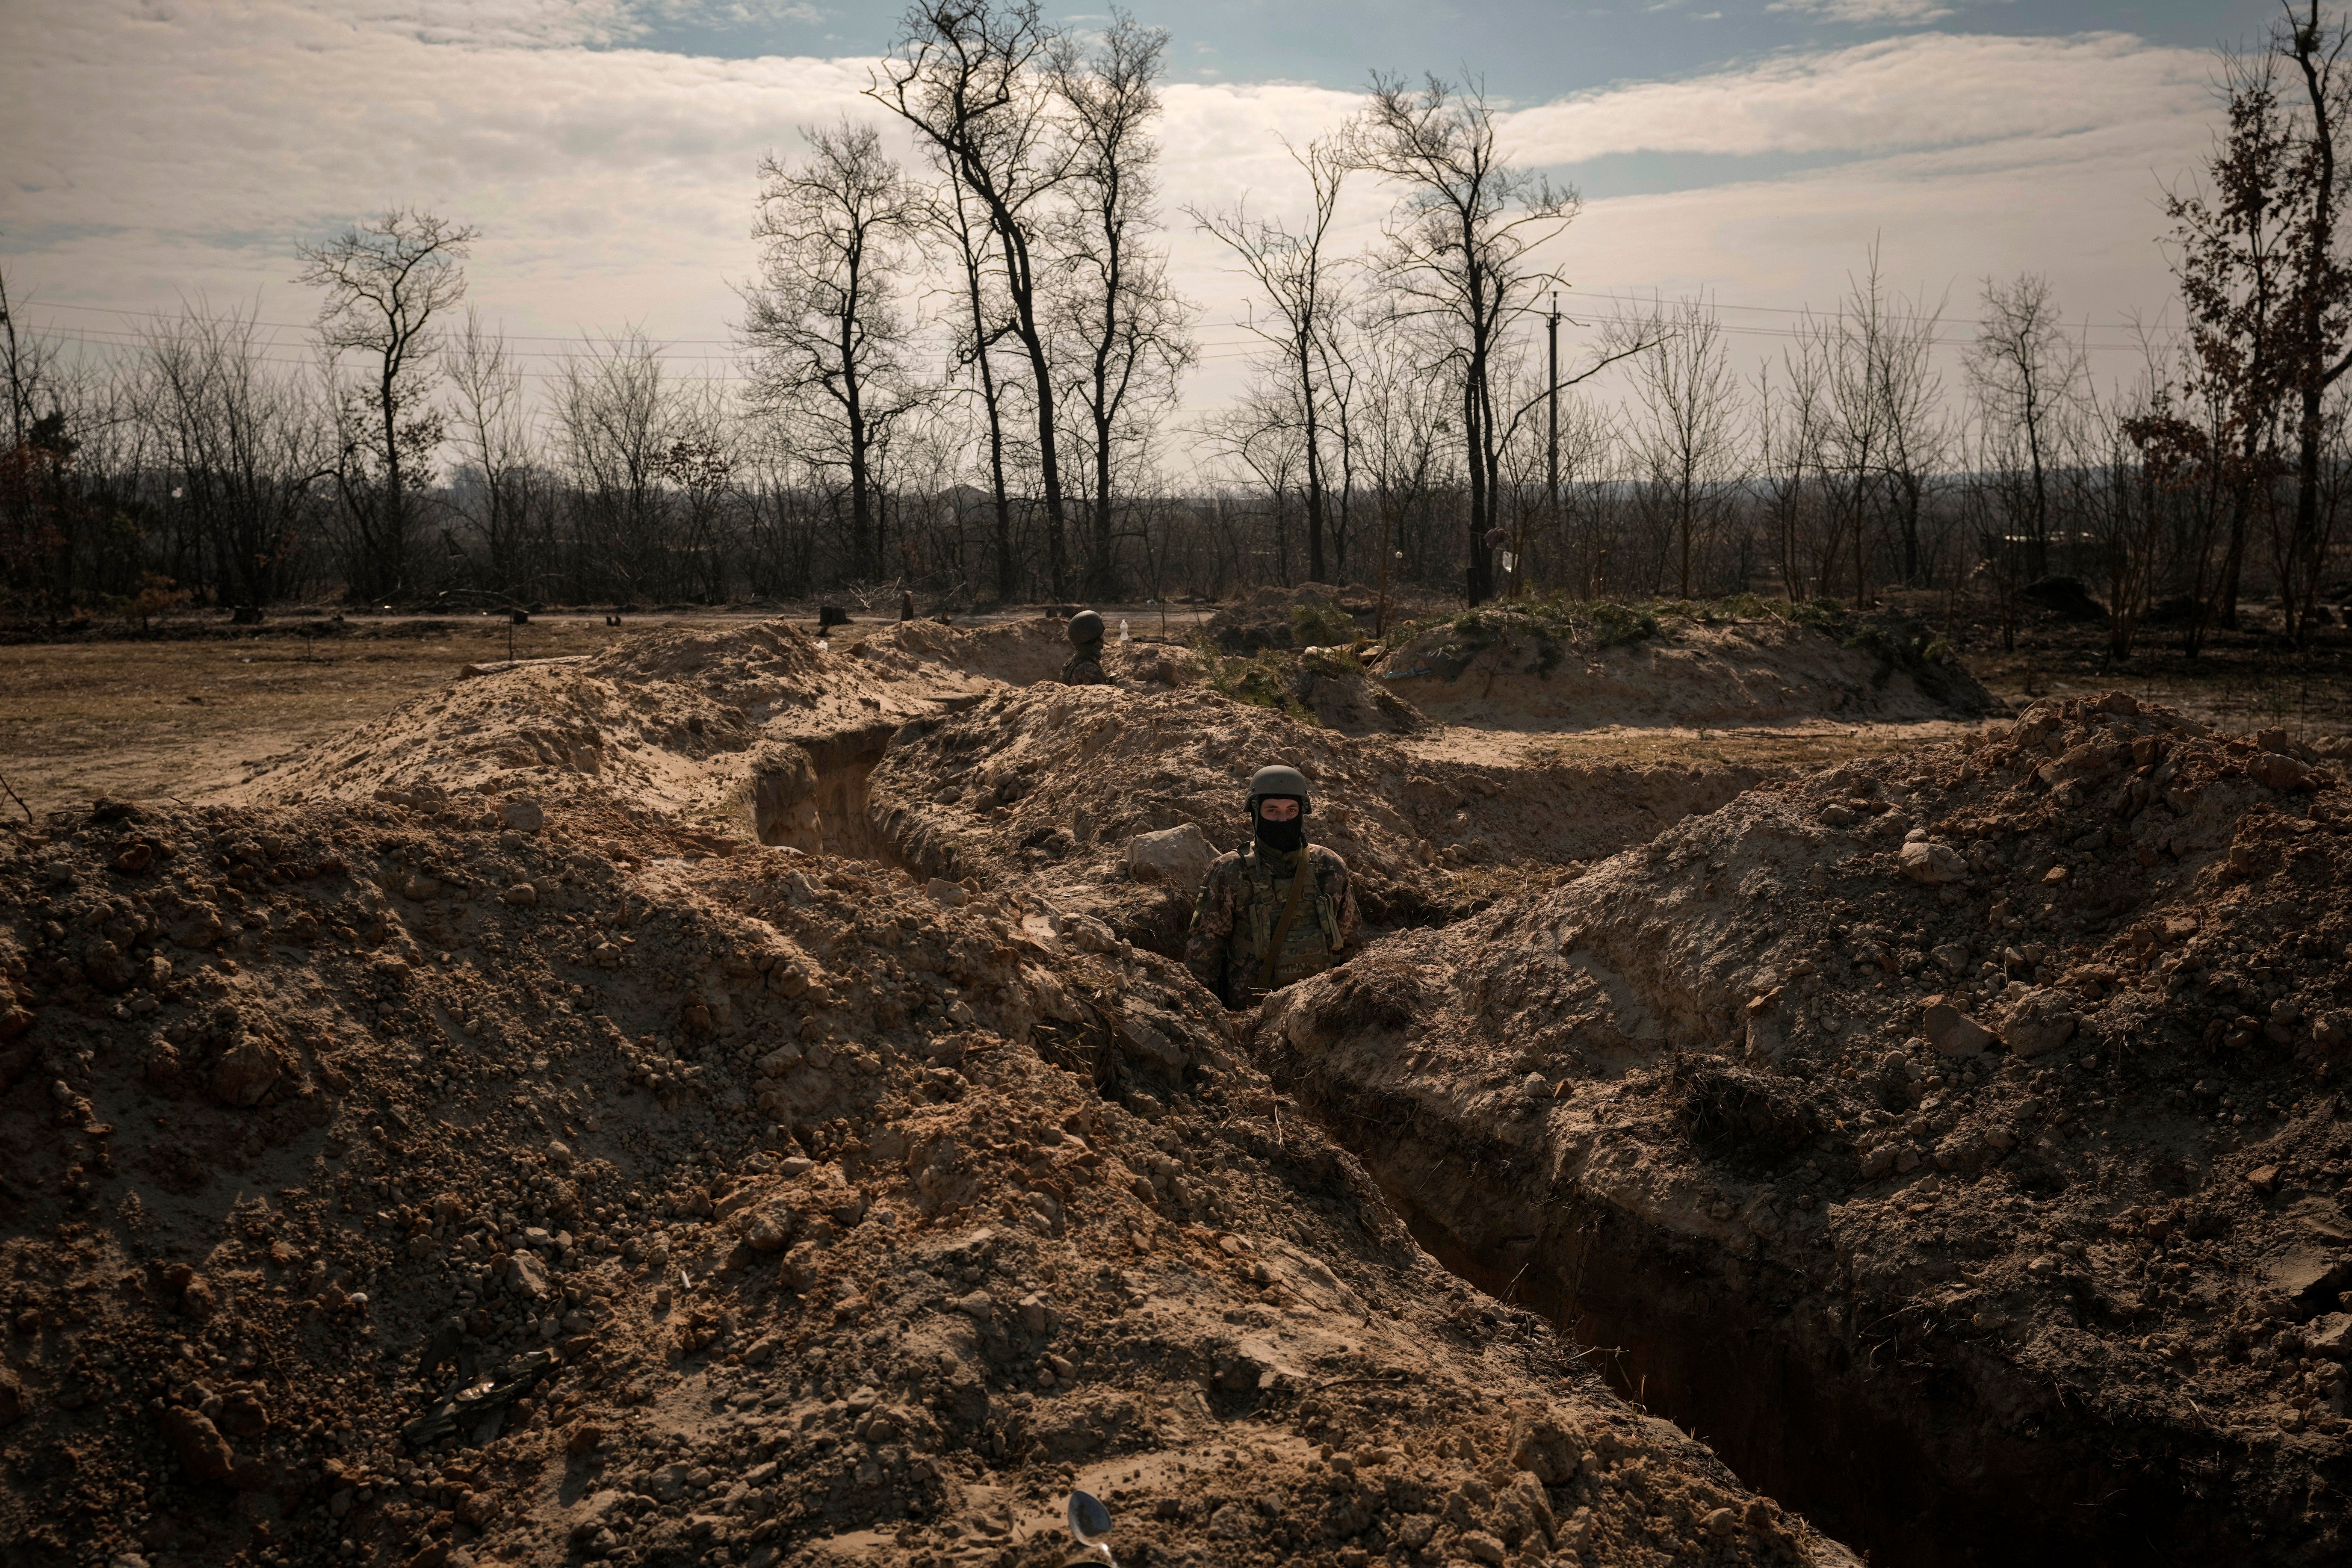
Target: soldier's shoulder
1226 867
1327 857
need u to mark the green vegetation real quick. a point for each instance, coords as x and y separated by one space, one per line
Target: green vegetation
1318 625
1260 680
1555 624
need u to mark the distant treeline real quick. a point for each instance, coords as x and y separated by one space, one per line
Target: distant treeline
1406 416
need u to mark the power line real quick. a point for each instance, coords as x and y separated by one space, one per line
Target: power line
577 340
1210 351
2127 328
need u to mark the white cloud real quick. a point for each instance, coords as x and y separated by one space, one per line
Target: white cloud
556 23
168 152
1866 11
1922 91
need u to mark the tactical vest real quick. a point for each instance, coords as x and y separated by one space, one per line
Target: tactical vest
1314 934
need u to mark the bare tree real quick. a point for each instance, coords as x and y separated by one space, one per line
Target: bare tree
1126 321
1789 436
242 446
615 419
987 323
1261 435
1884 428
1918 433
1297 278
387 282
2316 319
491 429
2029 378
1409 435
700 467
27 362
969 77
2120 499
2233 254
1686 437
1460 250
36 514
828 329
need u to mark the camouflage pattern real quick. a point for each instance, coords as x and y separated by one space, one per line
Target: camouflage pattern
1241 906
1085 668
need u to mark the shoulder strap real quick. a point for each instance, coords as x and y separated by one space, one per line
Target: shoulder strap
1301 874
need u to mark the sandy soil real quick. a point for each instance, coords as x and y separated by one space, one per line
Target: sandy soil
1507 669
447 1185
193 718
2011 1062
721 1098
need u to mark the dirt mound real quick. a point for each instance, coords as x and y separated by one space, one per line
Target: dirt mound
1588 667
1047 787
389 1185
716 736
2008 1066
1314 614
2065 597
1328 685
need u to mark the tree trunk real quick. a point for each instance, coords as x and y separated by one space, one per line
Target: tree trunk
1019 284
1314 467
1480 584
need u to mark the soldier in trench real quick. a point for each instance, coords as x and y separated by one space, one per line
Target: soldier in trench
1277 909
1085 667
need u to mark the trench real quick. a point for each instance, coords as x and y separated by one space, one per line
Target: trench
1916 1463
822 810
812 793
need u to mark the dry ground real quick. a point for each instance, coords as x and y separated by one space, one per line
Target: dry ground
190 718
191 714
848 1204
2245 679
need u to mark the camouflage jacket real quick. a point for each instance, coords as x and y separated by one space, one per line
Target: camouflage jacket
1241 904
1085 668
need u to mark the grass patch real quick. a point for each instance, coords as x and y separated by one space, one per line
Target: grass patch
1260 680
1556 623
1316 624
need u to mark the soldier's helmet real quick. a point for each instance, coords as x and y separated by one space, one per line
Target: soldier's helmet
1276 779
1085 627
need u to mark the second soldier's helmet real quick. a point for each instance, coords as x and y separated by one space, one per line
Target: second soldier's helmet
1279 780
1085 627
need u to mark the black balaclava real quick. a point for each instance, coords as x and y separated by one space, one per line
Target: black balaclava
1282 837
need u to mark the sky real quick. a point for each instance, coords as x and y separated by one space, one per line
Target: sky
170 151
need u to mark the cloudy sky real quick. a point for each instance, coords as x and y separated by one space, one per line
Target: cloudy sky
170 149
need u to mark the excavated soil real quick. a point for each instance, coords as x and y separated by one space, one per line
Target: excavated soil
575 1120
1272 618
1502 668
1955 1140
729 1099
393 1185
1051 784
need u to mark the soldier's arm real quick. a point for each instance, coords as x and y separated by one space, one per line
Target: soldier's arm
1213 931
1352 920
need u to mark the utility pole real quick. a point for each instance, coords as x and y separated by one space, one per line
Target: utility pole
1551 415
